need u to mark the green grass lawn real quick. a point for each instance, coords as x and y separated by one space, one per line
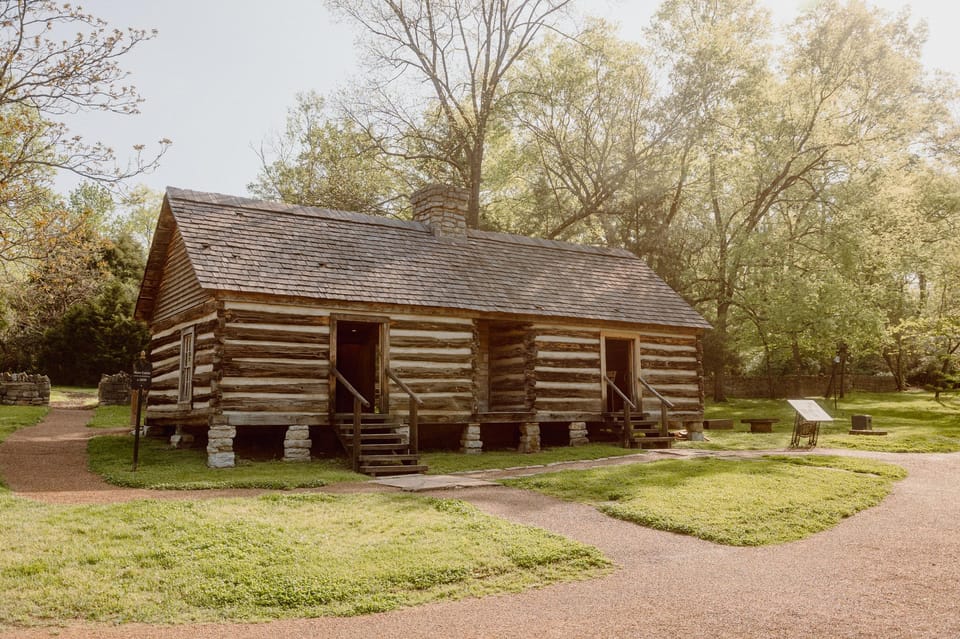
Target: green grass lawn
277 556
914 422
442 462
735 502
110 417
161 467
13 418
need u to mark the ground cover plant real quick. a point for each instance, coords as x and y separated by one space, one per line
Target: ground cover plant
443 462
13 418
110 417
735 502
276 556
914 421
161 467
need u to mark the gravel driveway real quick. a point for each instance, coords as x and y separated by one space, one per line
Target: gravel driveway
891 571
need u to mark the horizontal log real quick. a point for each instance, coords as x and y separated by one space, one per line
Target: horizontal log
572 364
312 388
656 377
567 339
274 316
570 347
430 342
436 386
432 334
592 392
667 351
568 376
544 331
679 340
275 406
688 364
272 305
275 333
419 371
407 359
452 403
565 405
203 313
233 349
233 368
429 325
265 418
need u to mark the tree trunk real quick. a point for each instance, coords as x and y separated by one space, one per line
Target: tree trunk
719 373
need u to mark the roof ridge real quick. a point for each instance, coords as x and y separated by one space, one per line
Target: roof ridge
234 201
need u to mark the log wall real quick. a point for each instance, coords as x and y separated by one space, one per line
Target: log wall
672 362
512 354
436 357
567 371
162 405
179 290
275 364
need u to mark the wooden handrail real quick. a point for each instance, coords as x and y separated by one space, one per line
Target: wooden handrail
625 399
663 400
413 420
403 386
349 386
664 405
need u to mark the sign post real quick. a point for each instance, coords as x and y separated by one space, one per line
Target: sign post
142 373
807 422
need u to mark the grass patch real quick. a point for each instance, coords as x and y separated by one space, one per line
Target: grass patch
161 467
110 417
277 556
734 502
443 462
82 396
13 418
914 421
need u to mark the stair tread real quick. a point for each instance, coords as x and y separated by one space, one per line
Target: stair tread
387 458
393 470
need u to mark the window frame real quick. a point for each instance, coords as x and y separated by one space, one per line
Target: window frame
186 368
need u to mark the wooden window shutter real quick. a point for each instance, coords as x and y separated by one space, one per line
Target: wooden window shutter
185 395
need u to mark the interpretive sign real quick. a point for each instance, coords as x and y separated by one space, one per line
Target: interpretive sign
809 410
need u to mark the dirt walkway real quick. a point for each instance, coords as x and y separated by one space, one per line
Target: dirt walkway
892 571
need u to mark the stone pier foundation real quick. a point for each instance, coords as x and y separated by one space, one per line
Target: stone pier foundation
529 438
578 434
470 441
180 439
296 444
220 444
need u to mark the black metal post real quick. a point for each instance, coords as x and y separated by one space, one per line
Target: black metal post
136 431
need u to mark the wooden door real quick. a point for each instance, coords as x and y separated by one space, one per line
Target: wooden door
618 360
357 358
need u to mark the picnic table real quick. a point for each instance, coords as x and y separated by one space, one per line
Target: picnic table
760 424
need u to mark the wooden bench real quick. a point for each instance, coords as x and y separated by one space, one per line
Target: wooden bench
760 424
718 424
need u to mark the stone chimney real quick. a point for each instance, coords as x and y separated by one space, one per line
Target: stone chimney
443 208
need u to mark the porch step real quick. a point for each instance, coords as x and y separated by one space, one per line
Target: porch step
401 469
653 442
382 451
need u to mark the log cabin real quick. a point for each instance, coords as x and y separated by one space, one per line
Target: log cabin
334 331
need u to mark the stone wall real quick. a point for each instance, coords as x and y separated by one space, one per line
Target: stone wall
793 386
114 390
21 389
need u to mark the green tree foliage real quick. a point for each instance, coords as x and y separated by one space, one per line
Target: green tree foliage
55 60
326 162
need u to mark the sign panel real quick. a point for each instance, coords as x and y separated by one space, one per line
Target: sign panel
810 410
142 373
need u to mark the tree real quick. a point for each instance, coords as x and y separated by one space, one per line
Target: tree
463 51
55 60
325 162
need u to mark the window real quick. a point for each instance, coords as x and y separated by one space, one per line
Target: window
186 366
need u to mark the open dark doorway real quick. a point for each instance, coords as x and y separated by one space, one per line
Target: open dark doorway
618 354
358 360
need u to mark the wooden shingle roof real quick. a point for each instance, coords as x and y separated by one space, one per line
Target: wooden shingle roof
247 246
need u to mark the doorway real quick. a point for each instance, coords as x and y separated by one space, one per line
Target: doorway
618 358
357 357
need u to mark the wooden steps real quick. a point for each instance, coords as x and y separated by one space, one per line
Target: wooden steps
382 449
646 432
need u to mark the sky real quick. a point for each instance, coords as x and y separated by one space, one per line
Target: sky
220 75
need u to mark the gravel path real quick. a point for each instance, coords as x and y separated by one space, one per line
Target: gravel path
892 571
